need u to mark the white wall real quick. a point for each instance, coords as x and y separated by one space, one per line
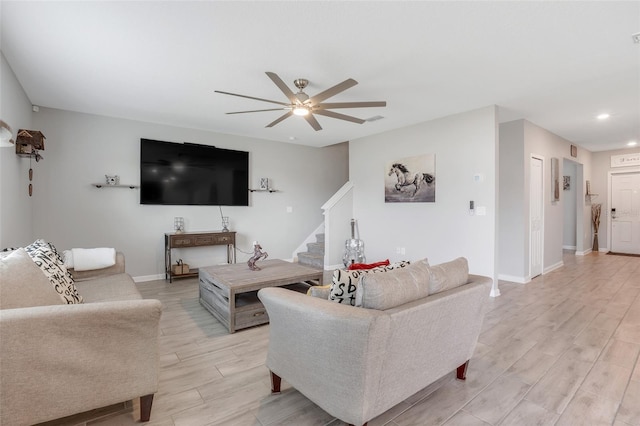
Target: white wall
82 148
537 141
464 145
15 203
600 185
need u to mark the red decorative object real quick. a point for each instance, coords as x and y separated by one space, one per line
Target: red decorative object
359 266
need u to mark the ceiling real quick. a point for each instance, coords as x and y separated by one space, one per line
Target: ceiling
556 64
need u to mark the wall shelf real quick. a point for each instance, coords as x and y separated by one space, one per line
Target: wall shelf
104 185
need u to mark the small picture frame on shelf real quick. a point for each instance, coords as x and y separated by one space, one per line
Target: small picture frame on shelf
264 183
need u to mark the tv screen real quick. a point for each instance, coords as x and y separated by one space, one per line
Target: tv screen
190 174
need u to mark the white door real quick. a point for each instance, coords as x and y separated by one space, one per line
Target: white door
625 213
535 214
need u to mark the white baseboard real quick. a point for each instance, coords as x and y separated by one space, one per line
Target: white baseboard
603 250
553 267
583 253
514 279
145 278
568 247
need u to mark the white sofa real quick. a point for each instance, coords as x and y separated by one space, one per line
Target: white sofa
358 362
60 359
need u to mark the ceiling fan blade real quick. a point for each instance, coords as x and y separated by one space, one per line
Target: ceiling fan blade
332 91
338 116
251 97
273 123
313 122
352 105
256 110
282 86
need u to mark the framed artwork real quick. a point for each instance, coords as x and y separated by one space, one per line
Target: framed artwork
411 180
574 151
566 183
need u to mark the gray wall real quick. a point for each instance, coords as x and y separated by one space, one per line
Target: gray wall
513 227
464 145
82 148
15 203
514 263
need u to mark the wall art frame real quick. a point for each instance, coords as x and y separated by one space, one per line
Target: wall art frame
411 180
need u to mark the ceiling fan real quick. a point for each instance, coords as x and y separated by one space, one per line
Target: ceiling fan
301 104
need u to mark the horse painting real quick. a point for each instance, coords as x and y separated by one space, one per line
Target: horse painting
406 178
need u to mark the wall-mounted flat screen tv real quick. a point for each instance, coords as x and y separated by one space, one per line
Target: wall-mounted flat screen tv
192 175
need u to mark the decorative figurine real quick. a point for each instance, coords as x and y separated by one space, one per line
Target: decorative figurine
257 255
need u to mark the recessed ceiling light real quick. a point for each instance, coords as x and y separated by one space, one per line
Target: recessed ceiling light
603 116
632 143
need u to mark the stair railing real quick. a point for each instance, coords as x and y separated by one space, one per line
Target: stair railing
338 212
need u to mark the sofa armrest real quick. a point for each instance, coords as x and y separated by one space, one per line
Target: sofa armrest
118 268
66 359
347 344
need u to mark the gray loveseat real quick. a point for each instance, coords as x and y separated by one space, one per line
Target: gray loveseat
357 362
60 359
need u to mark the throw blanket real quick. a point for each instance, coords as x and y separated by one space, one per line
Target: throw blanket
88 259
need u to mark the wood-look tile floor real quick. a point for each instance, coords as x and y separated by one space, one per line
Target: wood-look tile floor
562 349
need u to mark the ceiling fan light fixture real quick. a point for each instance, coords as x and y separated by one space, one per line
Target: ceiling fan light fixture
300 110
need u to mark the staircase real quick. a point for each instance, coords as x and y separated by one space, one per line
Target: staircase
314 256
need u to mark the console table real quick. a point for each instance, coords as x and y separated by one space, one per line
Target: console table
196 239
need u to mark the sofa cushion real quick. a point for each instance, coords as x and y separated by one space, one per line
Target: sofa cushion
22 283
109 288
46 257
345 282
448 275
386 291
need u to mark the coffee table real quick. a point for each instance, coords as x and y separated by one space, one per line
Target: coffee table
230 291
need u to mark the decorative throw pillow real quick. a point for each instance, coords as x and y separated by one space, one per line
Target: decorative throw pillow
395 288
345 282
448 275
22 283
355 266
46 257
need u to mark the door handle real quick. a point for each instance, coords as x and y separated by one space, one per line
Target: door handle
613 213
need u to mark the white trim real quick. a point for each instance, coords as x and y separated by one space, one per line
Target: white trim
514 279
632 170
553 267
569 247
337 196
145 278
542 159
583 253
495 291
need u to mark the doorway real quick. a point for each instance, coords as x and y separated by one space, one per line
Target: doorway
625 213
536 214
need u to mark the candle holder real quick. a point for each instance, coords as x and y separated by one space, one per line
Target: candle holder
178 225
225 223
